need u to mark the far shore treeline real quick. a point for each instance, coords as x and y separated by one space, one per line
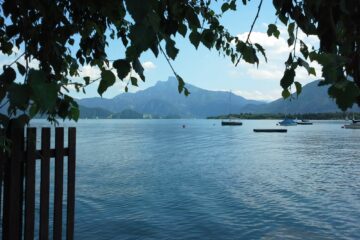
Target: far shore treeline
98 113
310 116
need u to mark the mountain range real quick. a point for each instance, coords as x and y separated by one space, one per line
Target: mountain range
163 100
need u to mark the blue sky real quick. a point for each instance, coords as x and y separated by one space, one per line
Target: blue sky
208 70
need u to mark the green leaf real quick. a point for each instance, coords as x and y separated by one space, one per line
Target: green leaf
273 31
142 37
74 69
195 38
208 38
138 69
181 83
170 48
186 92
232 5
87 80
74 113
291 38
225 7
261 50
182 29
138 9
346 95
122 67
312 71
21 68
304 49
248 52
8 76
33 110
298 87
285 93
289 61
134 81
192 18
107 80
288 78
44 92
19 95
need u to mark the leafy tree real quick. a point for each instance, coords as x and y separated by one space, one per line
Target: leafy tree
335 23
63 35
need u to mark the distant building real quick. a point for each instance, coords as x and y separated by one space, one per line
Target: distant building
147 116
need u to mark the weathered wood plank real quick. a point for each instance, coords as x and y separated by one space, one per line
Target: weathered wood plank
44 184
12 214
2 165
71 184
59 171
30 184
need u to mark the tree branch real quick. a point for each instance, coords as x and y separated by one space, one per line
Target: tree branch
251 28
17 59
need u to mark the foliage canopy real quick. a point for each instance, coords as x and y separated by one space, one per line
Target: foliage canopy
46 32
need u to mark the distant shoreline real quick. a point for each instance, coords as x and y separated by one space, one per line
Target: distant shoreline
247 116
271 116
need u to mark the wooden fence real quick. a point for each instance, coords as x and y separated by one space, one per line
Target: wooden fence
18 185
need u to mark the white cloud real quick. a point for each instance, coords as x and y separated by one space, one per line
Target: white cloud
277 52
259 95
89 71
265 73
148 65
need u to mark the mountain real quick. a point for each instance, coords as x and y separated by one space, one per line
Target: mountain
313 99
163 99
86 112
127 114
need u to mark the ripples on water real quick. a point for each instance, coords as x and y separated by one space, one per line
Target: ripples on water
152 179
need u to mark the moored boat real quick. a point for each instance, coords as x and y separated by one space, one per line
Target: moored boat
270 130
230 123
287 122
304 122
354 125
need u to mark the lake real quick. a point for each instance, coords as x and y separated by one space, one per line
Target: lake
154 179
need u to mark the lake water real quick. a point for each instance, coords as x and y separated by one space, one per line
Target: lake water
153 179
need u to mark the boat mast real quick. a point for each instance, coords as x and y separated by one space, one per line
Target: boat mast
229 104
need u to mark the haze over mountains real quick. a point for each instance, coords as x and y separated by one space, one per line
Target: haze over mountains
164 100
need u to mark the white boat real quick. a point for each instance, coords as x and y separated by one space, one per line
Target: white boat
354 125
304 122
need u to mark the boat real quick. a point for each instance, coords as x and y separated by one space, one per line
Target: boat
304 122
270 130
355 124
287 122
229 122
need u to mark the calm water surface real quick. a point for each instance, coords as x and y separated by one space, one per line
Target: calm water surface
153 179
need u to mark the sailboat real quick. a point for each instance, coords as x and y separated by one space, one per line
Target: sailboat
229 122
355 124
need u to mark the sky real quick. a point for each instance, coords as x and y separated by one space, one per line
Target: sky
207 69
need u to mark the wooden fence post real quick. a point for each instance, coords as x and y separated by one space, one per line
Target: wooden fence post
30 184
18 176
12 205
71 184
